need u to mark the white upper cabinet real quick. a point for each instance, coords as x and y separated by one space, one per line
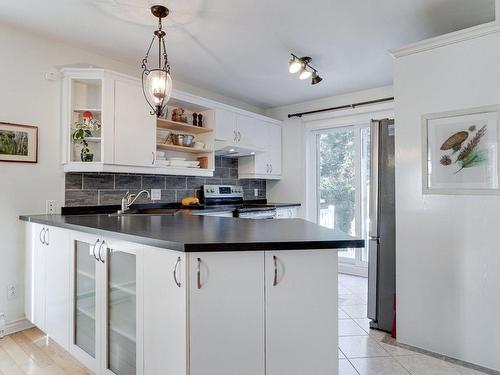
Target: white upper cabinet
135 128
107 127
225 129
268 163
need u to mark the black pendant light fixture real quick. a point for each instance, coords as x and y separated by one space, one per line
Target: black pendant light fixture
302 66
156 82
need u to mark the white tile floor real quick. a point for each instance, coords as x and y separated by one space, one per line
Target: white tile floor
368 352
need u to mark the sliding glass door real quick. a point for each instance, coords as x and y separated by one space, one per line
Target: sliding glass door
342 186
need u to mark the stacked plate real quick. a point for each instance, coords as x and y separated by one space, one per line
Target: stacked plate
179 162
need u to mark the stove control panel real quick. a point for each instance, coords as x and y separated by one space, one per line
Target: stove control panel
222 191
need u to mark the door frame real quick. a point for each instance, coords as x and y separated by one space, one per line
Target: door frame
334 120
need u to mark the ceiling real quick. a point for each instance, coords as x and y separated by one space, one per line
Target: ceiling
240 48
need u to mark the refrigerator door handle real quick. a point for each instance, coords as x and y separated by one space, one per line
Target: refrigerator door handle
374 177
373 245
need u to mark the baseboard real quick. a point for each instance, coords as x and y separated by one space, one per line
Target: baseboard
17 326
351 269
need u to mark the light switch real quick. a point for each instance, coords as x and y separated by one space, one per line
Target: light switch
155 194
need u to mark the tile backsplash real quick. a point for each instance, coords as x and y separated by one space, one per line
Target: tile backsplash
91 189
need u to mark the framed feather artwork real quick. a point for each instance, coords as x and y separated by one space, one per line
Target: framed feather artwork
460 151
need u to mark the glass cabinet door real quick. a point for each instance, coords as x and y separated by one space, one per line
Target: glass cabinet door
85 298
121 312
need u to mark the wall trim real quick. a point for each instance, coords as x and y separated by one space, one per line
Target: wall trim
17 326
447 39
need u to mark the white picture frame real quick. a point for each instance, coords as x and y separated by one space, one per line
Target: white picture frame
460 152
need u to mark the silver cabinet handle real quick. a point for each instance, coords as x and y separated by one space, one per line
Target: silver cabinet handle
267 168
153 160
99 253
40 236
275 260
198 274
177 282
45 236
235 136
93 249
271 166
239 136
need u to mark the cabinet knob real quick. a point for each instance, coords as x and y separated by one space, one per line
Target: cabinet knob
46 237
153 160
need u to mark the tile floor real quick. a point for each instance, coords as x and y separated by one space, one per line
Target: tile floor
368 352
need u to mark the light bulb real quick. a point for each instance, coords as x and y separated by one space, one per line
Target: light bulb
294 65
304 73
159 86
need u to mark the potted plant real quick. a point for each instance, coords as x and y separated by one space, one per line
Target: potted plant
82 131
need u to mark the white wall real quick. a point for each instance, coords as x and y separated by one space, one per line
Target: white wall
292 186
448 247
27 98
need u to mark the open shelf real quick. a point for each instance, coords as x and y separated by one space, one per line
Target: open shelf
180 126
191 150
86 109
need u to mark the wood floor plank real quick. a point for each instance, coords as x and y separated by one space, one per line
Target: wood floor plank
7 365
33 351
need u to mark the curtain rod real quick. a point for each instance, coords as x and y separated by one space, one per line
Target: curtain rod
354 105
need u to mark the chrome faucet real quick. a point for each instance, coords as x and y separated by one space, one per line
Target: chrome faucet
129 199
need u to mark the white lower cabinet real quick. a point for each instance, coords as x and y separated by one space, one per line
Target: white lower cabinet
47 278
226 313
123 308
301 312
107 305
165 312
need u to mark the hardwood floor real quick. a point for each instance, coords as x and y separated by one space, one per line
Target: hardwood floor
31 352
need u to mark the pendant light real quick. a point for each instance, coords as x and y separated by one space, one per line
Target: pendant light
156 82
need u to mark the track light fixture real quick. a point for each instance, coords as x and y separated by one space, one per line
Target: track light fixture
315 78
301 65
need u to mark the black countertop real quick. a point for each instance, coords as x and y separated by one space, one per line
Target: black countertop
189 233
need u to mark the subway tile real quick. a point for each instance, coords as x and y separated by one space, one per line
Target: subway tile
175 182
127 181
81 198
222 172
184 193
107 197
229 181
213 181
195 182
153 182
257 184
233 173
229 163
218 161
98 181
74 181
167 196
244 183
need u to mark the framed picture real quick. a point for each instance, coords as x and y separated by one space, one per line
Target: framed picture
460 152
18 143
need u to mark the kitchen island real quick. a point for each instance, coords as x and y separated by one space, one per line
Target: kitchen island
186 294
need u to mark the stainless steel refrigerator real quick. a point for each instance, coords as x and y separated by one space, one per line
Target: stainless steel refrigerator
382 240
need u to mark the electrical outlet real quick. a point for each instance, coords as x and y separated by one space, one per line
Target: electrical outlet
155 194
50 207
2 325
256 192
11 292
